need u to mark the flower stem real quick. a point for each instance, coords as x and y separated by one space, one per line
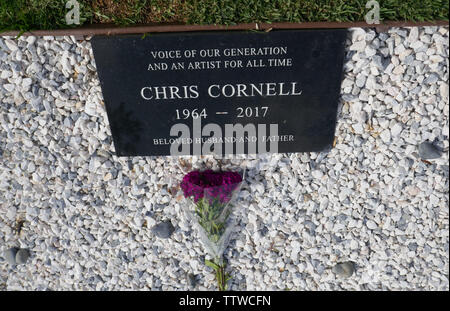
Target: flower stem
222 277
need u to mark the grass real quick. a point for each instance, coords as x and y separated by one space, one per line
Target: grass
50 14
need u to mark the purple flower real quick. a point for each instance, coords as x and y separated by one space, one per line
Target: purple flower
213 185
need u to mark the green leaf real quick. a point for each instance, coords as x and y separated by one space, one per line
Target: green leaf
228 277
211 264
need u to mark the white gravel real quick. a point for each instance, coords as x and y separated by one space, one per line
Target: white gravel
369 200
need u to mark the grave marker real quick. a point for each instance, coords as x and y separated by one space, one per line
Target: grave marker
181 82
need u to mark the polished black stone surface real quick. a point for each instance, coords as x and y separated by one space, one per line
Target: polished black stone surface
301 92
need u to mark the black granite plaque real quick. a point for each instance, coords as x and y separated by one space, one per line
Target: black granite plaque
153 85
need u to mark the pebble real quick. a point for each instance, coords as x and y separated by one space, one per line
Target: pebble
22 256
358 128
412 246
9 87
11 45
263 232
385 135
413 35
431 79
360 81
31 40
444 90
344 269
428 151
396 130
368 199
371 224
317 174
358 46
164 229
26 82
191 280
10 255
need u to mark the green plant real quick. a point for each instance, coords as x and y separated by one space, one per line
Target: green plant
209 216
222 277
